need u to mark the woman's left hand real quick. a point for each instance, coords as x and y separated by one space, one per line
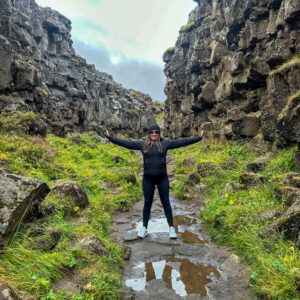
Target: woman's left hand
201 133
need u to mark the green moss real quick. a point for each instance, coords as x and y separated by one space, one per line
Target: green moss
171 50
187 27
18 122
289 101
295 60
42 91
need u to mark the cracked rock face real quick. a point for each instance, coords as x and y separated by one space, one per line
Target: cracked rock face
223 73
19 199
38 64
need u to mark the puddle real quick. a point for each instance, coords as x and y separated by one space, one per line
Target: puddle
180 274
180 224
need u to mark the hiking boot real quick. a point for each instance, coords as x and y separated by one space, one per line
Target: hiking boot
172 233
143 232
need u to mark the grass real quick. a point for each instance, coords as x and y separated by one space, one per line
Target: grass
187 27
295 60
235 221
108 175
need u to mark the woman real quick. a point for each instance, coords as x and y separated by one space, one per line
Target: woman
154 150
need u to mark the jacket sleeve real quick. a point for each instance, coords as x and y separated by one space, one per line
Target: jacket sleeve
134 145
172 144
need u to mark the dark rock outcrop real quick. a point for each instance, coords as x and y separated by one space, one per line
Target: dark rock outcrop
39 65
235 71
288 224
19 200
73 190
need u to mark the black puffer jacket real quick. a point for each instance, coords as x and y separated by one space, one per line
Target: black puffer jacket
155 161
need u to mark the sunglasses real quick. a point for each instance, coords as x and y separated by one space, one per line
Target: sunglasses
155 132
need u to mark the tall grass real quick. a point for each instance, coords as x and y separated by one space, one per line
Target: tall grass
108 174
235 221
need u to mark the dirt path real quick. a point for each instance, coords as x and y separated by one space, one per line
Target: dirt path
190 267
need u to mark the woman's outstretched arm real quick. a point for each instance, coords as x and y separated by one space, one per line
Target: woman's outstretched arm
133 145
172 144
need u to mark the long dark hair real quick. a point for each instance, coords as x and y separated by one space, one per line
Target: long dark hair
149 144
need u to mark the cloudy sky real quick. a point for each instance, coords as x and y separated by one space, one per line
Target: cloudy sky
126 38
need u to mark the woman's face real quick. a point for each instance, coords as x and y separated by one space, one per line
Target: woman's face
154 134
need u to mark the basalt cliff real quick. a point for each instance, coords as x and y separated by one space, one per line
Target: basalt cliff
40 71
235 72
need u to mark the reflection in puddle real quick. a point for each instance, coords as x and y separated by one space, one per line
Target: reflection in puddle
180 224
180 274
192 238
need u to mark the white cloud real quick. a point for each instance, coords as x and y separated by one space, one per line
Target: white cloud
148 26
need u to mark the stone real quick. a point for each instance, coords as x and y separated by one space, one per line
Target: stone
288 224
74 190
49 240
287 194
292 179
230 187
193 178
249 179
257 165
247 126
93 245
270 214
6 293
20 198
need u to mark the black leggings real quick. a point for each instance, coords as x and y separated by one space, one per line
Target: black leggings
162 182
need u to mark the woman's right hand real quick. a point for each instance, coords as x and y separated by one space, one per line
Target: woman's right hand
107 133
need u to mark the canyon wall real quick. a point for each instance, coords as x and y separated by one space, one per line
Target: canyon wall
235 71
40 69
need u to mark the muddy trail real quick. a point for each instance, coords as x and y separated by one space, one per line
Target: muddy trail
190 267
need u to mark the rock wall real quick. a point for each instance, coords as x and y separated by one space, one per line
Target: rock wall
235 71
39 65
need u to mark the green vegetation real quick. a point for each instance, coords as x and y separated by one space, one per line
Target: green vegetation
295 60
187 27
171 50
235 221
289 100
160 117
108 175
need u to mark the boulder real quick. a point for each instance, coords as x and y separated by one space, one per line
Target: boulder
287 194
292 179
288 224
229 187
206 168
252 179
93 245
270 214
73 190
6 293
257 165
193 178
20 198
247 126
48 240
